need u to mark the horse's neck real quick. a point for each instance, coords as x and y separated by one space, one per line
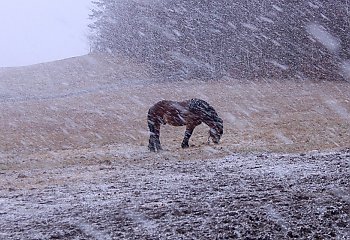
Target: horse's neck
210 123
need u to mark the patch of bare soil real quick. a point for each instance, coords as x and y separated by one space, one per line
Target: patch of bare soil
74 162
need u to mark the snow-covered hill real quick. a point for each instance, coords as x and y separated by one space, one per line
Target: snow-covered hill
74 162
95 100
66 77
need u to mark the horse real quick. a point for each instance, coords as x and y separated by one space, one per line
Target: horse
189 113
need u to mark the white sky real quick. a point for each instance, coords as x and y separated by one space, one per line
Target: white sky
34 31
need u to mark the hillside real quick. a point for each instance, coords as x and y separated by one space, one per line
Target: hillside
71 76
93 101
74 162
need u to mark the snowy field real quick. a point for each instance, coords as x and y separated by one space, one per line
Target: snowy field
74 162
242 196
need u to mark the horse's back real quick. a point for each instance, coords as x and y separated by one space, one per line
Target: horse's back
166 105
160 107
171 112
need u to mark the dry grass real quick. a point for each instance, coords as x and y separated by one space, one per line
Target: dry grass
74 161
107 110
288 117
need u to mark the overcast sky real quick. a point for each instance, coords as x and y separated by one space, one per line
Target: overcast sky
34 31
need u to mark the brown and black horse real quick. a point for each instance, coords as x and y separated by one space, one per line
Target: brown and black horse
190 113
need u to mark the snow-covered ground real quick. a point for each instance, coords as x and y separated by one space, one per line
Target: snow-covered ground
74 162
241 196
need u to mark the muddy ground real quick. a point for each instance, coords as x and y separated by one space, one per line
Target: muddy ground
74 162
241 196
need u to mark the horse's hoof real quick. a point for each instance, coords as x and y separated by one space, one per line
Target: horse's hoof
152 149
185 146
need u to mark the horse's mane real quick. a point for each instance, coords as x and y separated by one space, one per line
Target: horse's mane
199 105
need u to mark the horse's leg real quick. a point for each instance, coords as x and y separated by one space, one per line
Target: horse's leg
188 134
154 142
156 137
151 144
152 137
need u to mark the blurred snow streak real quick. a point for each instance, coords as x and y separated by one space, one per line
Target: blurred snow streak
324 37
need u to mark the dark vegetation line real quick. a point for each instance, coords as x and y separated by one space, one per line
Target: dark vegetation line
246 39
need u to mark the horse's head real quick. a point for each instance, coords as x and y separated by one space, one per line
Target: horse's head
216 130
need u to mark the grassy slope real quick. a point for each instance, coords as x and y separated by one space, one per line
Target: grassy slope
94 102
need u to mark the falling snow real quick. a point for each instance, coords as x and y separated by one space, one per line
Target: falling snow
74 162
324 37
